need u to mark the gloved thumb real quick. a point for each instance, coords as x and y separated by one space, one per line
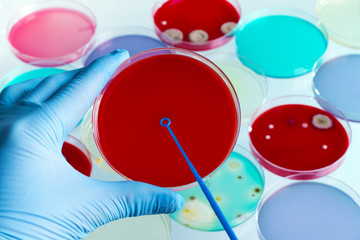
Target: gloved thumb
114 200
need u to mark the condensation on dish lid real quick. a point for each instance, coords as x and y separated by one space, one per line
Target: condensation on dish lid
151 227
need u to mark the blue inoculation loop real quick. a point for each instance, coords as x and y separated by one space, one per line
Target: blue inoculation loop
165 122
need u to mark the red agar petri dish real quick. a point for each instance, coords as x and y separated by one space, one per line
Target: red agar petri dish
51 30
77 155
293 135
177 84
196 24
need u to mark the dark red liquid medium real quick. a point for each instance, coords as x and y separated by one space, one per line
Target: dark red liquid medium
196 99
286 137
76 158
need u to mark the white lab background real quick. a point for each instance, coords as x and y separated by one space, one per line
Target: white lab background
112 14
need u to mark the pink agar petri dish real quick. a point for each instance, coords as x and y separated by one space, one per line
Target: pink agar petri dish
198 24
294 135
51 30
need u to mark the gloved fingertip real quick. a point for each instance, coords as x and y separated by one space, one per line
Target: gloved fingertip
179 201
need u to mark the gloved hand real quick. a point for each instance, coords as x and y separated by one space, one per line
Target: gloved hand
41 195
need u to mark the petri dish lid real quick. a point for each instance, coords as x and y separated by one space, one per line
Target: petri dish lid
133 39
151 227
40 31
337 81
189 17
237 187
149 97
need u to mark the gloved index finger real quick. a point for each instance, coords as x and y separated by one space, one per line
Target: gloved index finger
74 99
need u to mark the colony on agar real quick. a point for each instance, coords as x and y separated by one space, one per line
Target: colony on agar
283 43
312 210
237 187
292 135
151 227
341 20
337 81
77 155
134 39
154 85
196 24
41 31
250 86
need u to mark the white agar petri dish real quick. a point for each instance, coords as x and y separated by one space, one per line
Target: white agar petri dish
250 83
341 19
151 227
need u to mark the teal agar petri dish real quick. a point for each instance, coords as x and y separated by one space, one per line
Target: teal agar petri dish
250 83
324 208
341 20
237 187
31 71
284 43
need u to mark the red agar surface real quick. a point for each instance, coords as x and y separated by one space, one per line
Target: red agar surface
203 117
286 137
76 158
189 15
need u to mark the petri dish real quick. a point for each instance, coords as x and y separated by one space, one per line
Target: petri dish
293 134
152 227
341 19
32 71
196 26
251 86
89 141
41 30
77 155
237 188
202 106
134 39
337 81
324 208
284 43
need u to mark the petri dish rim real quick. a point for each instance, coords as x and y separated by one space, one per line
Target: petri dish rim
208 45
41 5
310 101
265 12
316 92
308 177
105 36
235 60
162 51
27 67
246 216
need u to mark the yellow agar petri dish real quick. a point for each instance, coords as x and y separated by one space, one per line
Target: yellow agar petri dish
341 19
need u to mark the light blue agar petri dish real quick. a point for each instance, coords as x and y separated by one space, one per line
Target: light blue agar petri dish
324 208
133 39
337 81
284 43
237 187
32 71
250 83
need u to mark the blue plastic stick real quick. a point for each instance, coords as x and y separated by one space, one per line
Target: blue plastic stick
165 122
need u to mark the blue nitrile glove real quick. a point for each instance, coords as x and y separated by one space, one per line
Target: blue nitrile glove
41 195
